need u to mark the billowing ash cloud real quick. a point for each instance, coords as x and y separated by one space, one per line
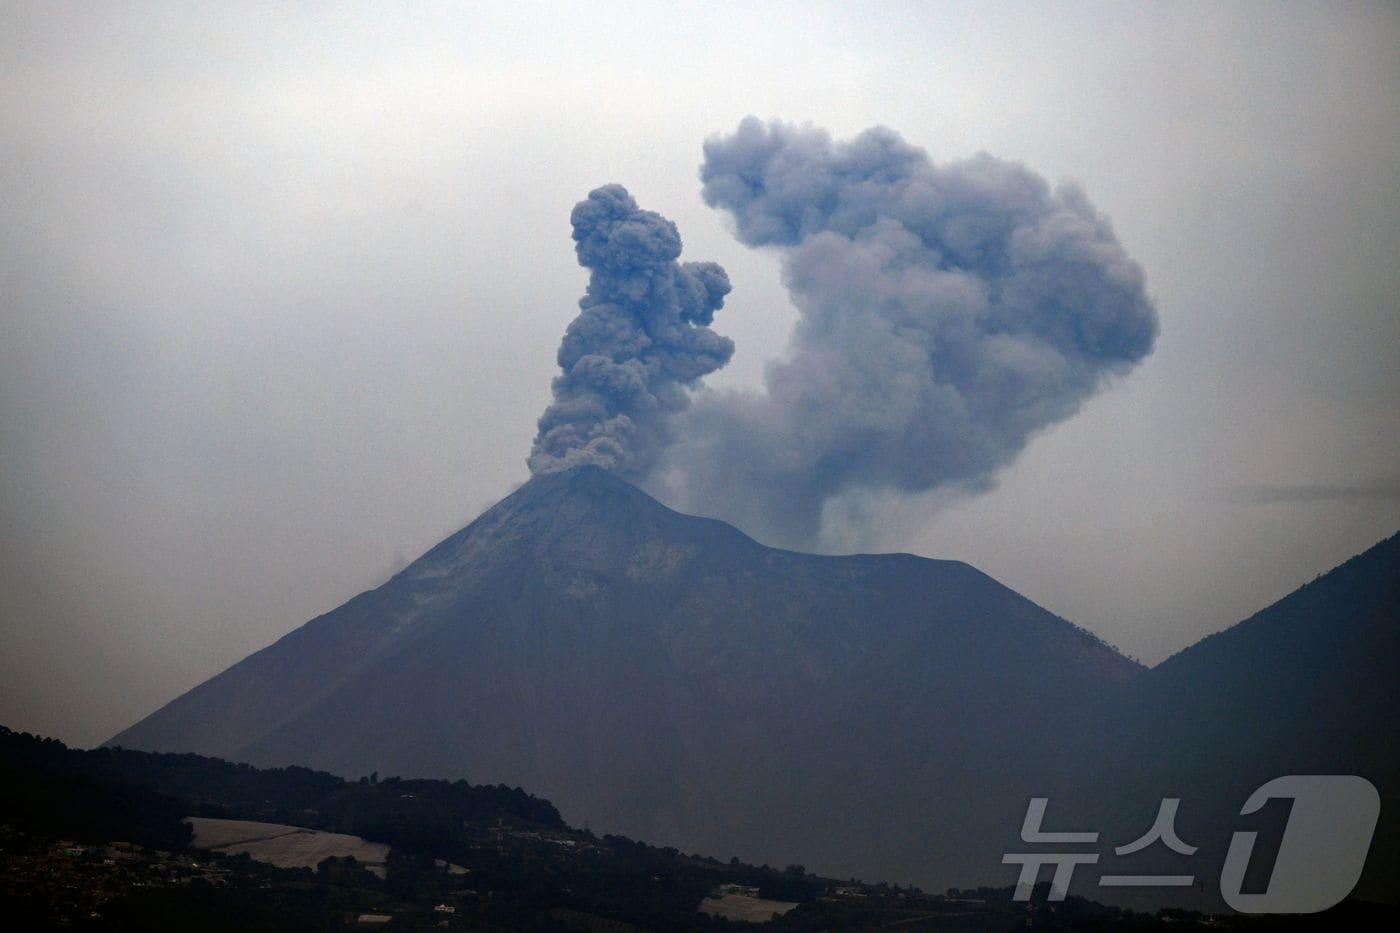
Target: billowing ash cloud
948 312
641 338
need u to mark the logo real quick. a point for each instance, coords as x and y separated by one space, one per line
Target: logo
1319 861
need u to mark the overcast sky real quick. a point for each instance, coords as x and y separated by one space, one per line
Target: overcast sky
280 293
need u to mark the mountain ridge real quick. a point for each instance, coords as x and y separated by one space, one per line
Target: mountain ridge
541 492
669 678
1308 685
666 676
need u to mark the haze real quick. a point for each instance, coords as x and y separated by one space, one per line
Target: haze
280 294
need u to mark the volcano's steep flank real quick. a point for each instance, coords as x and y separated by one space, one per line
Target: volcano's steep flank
883 716
669 678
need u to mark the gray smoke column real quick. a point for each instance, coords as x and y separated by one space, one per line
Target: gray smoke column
948 312
641 338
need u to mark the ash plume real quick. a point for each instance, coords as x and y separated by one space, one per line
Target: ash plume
947 313
641 337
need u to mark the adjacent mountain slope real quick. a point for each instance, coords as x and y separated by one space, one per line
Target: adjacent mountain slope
1310 685
667 677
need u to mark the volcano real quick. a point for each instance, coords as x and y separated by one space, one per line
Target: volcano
668 678
887 716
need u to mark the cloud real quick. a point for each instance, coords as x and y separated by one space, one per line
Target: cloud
1312 492
641 338
948 312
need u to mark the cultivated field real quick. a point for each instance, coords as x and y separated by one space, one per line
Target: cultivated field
285 846
744 908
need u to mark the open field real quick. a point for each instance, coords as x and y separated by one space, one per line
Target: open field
744 908
285 846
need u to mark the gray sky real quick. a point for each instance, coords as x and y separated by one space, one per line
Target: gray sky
280 294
